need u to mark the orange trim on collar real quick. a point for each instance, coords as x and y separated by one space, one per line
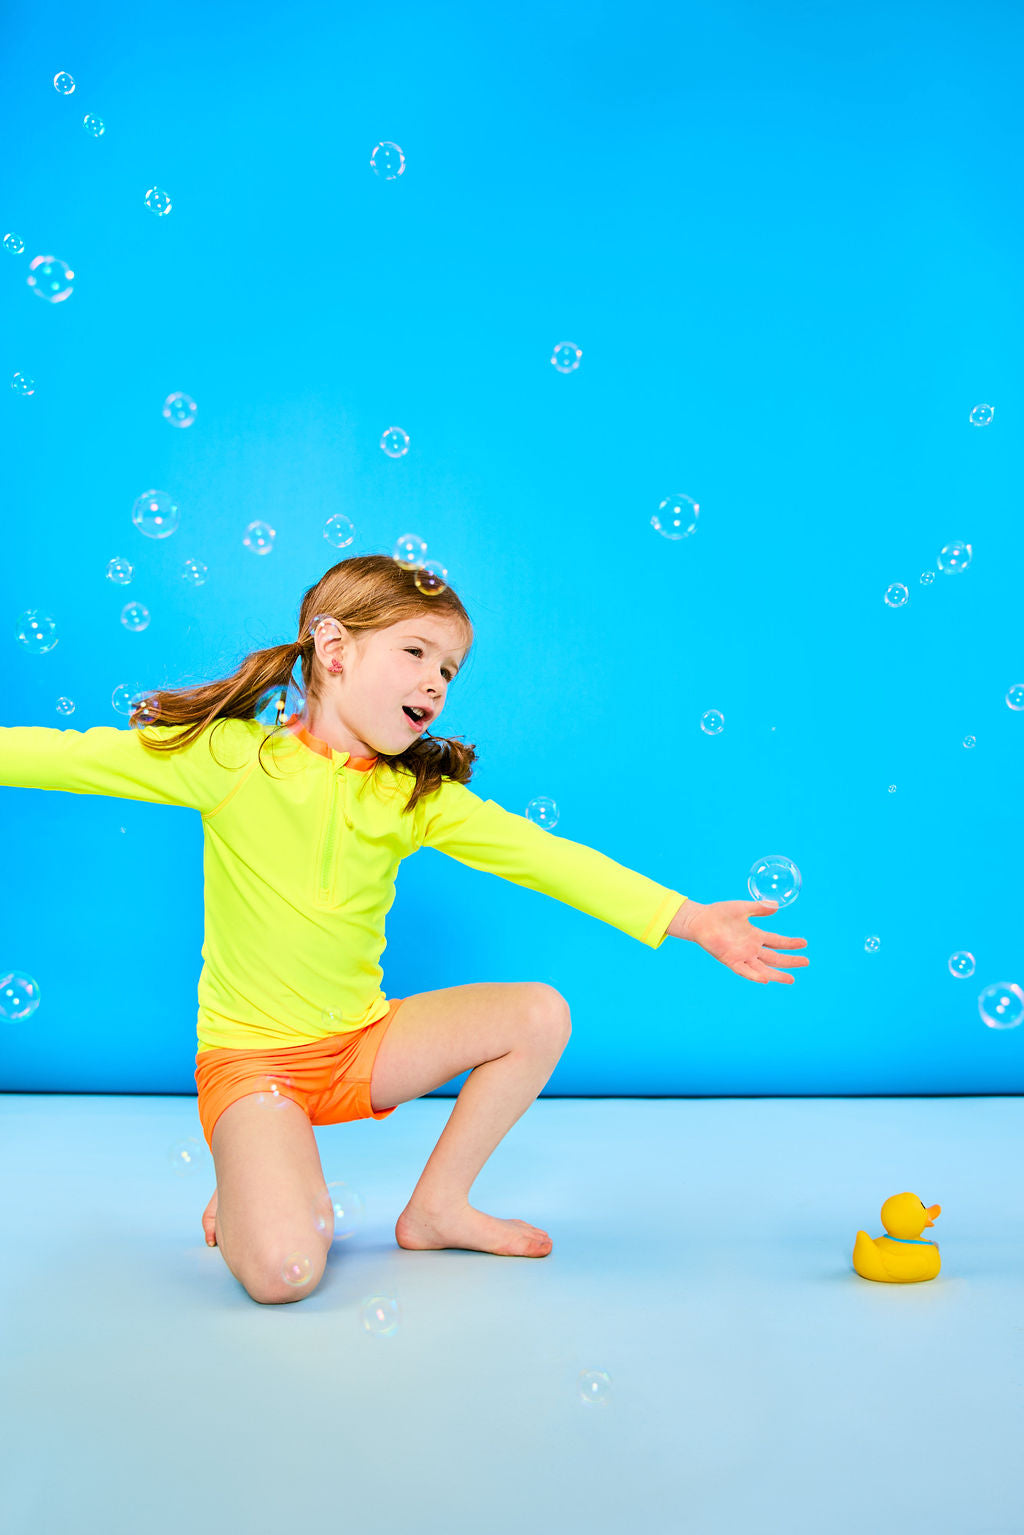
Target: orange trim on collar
322 749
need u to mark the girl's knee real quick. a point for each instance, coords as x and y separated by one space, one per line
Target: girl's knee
286 1278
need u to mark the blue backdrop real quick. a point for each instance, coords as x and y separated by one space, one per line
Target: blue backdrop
787 241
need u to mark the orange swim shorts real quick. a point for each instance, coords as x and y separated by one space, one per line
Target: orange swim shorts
328 1078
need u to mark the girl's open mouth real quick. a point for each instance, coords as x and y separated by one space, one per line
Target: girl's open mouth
413 721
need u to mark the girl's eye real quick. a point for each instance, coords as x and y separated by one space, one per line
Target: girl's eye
416 650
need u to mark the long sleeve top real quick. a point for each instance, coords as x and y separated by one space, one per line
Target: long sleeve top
300 856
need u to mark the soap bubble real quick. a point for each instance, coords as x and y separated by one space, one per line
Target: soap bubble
542 812
892 788
961 964
566 357
380 1315
775 878
594 1387
395 442
120 570
155 513
19 996
14 243
63 83
712 722
896 595
410 551
65 706
297 1269
22 384
872 945
341 1213
179 409
135 617
125 699
954 558
36 632
93 124
981 415
272 1090
387 161
676 516
188 1157
1015 696
431 578
338 531
259 537
194 572
1001 1005
158 202
50 278
927 577
969 742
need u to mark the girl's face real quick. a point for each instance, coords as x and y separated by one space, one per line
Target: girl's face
410 664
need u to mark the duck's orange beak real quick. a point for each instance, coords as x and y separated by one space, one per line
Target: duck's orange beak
931 1212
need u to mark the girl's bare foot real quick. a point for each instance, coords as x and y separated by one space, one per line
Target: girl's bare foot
209 1218
469 1228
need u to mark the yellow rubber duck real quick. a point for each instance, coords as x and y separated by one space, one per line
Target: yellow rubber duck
902 1257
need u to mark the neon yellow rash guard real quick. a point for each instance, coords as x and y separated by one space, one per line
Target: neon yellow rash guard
300 857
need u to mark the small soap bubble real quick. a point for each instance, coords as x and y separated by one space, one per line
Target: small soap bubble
194 572
125 700
332 630
872 945
712 722
50 278
775 878
896 595
387 161
341 1213
981 415
158 202
65 705
395 442
259 537
14 243
892 788
297 1269
954 558
120 570
1015 696
155 513
93 124
36 632
272 1090
22 384
594 1387
970 742
189 1156
19 996
145 712
927 577
380 1315
961 964
135 617
63 83
339 531
431 578
543 812
676 516
410 551
566 357
179 409
1001 1005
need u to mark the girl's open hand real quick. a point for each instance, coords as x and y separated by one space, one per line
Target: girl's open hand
724 931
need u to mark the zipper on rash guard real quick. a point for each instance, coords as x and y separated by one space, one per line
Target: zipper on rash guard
338 786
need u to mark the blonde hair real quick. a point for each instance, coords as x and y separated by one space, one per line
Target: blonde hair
367 592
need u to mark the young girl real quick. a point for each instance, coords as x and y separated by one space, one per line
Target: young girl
300 862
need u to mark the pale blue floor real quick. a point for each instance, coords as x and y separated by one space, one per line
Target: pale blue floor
701 1259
